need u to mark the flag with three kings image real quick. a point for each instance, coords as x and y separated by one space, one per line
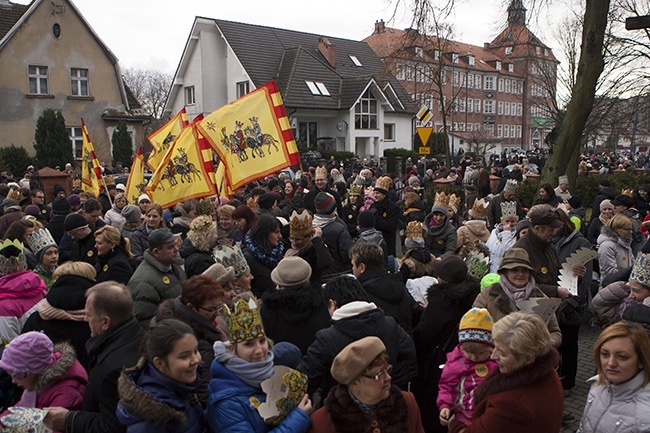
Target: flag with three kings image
163 138
91 171
185 172
252 136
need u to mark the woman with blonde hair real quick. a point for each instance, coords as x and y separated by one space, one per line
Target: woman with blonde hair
619 398
113 255
615 246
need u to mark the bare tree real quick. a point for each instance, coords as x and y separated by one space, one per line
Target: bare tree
150 87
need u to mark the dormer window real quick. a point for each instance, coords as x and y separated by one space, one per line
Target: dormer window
436 55
537 50
418 51
497 65
508 51
471 60
545 52
356 61
511 67
454 58
317 88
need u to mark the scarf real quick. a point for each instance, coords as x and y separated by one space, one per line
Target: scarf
602 219
269 258
367 409
323 220
515 294
251 373
48 312
294 252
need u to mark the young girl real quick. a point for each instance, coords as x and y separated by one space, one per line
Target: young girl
44 247
467 365
159 393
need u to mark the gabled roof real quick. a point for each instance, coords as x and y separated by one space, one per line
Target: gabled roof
9 15
292 57
522 41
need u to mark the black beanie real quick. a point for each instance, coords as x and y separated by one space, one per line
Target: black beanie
366 219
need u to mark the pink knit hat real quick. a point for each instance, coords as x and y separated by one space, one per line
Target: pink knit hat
29 353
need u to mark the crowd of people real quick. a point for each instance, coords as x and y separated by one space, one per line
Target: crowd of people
396 309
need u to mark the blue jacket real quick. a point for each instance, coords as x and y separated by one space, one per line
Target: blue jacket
152 402
230 409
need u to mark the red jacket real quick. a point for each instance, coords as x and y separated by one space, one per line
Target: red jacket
528 400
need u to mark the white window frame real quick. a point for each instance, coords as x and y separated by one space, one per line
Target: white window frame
390 128
518 131
470 105
513 130
499 131
506 131
366 116
507 86
488 106
500 85
506 108
399 71
75 135
500 108
77 79
508 51
243 87
477 105
190 95
38 76
488 83
355 60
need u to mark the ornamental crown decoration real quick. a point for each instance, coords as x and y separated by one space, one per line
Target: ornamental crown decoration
322 171
300 223
414 230
641 270
479 209
39 240
454 202
509 208
231 257
384 183
12 257
244 323
441 199
511 185
628 192
355 189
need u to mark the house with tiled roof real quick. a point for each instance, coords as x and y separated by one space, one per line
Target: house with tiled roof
50 57
492 97
336 92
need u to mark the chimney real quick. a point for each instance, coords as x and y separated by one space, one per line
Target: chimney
486 45
328 50
380 27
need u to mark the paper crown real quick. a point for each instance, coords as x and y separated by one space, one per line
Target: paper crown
322 171
509 208
563 179
252 204
355 190
231 257
454 202
478 264
244 323
300 224
16 260
628 192
441 199
641 270
14 195
39 240
414 229
293 388
384 183
511 185
479 209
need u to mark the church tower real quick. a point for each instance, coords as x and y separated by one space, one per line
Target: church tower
516 13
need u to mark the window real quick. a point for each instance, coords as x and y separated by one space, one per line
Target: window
519 107
409 73
418 51
497 65
469 127
506 109
76 139
537 50
471 60
513 129
511 67
489 129
489 83
461 103
507 86
500 108
500 82
78 82
365 112
461 127
477 127
190 98
508 51
427 100
317 88
477 81
545 52
488 106
455 82
477 105
499 130
37 80
506 131
242 88
454 58
356 61
399 71
389 132
470 105
470 80
518 131
436 55
308 131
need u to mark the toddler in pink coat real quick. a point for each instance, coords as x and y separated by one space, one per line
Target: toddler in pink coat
467 366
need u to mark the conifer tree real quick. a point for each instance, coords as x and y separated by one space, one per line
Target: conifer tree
122 145
51 141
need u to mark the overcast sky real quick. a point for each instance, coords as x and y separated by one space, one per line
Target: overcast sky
152 33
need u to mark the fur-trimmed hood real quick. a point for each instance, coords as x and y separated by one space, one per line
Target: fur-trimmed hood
62 368
608 234
346 416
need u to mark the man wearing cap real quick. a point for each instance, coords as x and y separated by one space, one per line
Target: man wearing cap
60 209
113 345
605 193
104 200
334 233
387 214
158 277
81 240
91 212
543 255
507 195
320 185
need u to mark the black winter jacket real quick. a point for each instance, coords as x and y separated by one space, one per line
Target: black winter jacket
114 266
196 261
389 293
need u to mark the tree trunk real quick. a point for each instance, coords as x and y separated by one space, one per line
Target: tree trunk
564 153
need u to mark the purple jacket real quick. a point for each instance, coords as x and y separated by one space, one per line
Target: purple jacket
459 381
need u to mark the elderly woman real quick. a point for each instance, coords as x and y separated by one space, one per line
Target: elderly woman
114 217
615 246
525 394
619 397
516 284
227 231
365 398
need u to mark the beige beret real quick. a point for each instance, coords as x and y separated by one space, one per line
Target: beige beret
355 358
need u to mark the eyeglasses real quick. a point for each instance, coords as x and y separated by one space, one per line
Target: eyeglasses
385 372
210 310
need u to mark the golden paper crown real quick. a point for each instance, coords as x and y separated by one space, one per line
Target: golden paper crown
479 209
322 171
509 208
252 204
300 223
15 196
454 202
245 323
384 183
231 257
441 199
414 229
628 192
355 190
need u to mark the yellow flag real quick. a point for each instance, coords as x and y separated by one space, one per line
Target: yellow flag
221 181
91 171
162 139
135 186
183 173
252 136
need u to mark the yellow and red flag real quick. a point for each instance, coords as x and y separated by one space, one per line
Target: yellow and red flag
252 136
183 173
162 139
221 181
135 185
91 171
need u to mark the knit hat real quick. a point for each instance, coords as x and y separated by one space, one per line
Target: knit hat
203 233
489 279
522 225
515 258
74 221
32 210
29 353
366 219
324 203
61 206
266 200
452 269
606 204
641 270
575 201
243 323
231 257
132 213
144 197
220 273
292 271
623 200
353 360
476 326
287 354
644 187
412 180
73 200
562 179
58 189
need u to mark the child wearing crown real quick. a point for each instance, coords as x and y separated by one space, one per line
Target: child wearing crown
239 368
504 234
440 236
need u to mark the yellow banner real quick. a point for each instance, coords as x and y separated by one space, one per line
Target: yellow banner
135 186
162 139
91 171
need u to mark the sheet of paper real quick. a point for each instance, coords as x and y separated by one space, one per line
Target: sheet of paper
284 390
543 307
567 278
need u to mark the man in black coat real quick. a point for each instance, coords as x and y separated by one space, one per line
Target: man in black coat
114 344
387 214
353 318
60 208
